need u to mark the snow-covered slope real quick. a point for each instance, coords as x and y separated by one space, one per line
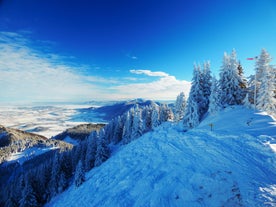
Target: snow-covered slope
233 165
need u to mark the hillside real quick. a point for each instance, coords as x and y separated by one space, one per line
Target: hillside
14 143
233 165
78 133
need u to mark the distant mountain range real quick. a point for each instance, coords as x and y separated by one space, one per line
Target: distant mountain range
113 109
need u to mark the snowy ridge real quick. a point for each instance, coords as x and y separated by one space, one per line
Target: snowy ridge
168 167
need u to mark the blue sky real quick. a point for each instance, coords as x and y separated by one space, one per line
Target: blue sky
64 50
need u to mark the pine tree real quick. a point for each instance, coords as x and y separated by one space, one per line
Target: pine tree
214 100
79 174
102 152
179 108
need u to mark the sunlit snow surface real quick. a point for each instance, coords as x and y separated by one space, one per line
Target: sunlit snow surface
233 165
46 120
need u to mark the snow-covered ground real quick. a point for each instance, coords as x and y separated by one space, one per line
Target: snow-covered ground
21 157
233 165
46 120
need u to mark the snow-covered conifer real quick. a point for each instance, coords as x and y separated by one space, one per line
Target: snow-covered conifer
127 128
246 101
137 126
191 118
155 117
265 76
179 108
28 198
214 100
229 83
118 130
79 174
205 86
102 152
166 113
91 150
55 175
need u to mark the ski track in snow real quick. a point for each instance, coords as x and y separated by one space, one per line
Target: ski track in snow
167 167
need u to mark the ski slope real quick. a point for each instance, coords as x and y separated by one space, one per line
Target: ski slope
233 165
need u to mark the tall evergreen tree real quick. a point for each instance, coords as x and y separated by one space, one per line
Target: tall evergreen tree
179 108
206 84
79 174
214 100
28 198
55 175
91 150
155 121
231 92
137 126
102 152
192 116
265 76
127 128
118 130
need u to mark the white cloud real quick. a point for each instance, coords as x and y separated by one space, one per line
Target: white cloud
167 87
150 73
27 75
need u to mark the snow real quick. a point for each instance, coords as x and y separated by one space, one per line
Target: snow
21 157
232 165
